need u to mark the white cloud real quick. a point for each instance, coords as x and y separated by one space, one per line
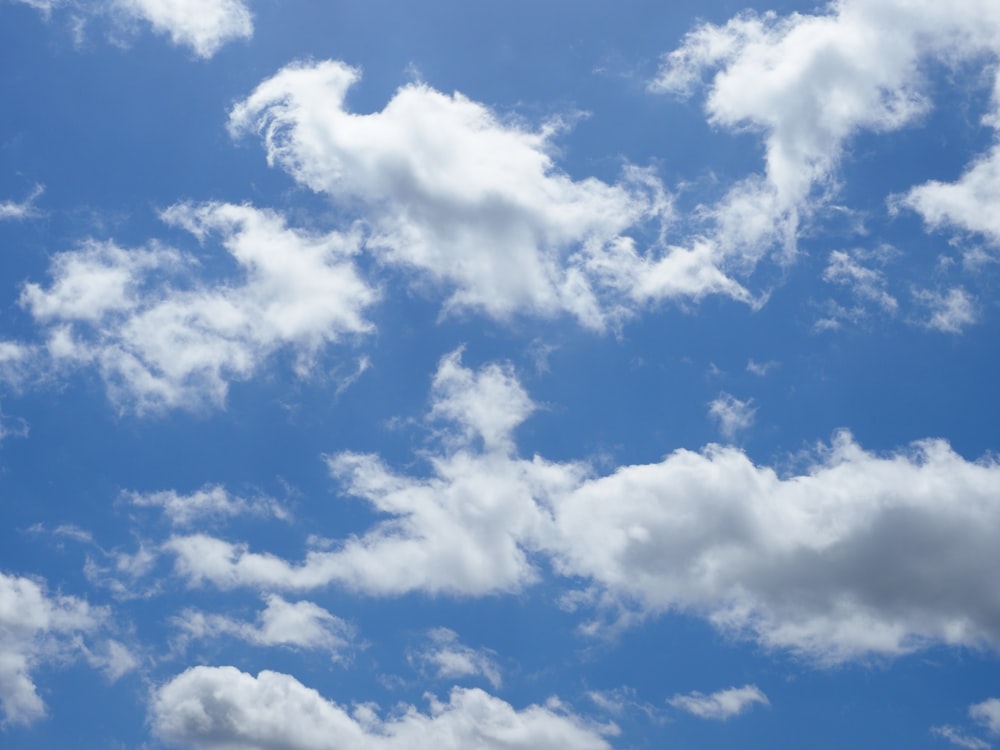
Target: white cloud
213 708
452 659
208 503
959 739
987 713
37 629
162 338
761 368
808 83
23 210
202 25
949 312
859 554
732 414
475 201
868 284
720 706
299 624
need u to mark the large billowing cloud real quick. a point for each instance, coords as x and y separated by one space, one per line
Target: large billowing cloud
36 629
858 554
808 83
473 200
163 337
216 708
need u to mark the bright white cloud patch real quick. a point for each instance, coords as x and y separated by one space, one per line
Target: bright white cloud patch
163 338
211 502
860 554
725 704
37 629
808 83
987 713
202 25
451 659
732 414
452 190
213 708
300 624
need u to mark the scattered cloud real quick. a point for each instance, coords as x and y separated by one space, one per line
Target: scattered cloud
201 25
211 502
40 629
808 83
761 368
950 312
164 339
732 414
450 659
832 563
957 738
987 713
299 624
213 708
474 201
720 706
11 210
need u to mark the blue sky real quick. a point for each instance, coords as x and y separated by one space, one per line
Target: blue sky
499 375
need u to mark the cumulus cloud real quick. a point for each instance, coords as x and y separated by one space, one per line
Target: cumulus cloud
859 554
722 705
211 502
163 338
987 713
732 414
21 210
202 25
950 312
37 628
449 658
807 83
301 624
214 708
475 201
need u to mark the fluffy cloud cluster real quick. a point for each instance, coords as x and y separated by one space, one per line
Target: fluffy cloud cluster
473 201
201 25
860 554
35 629
214 708
808 83
162 338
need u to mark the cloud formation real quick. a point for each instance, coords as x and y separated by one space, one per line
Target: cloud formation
214 708
808 83
299 624
721 705
162 338
859 554
474 201
37 629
